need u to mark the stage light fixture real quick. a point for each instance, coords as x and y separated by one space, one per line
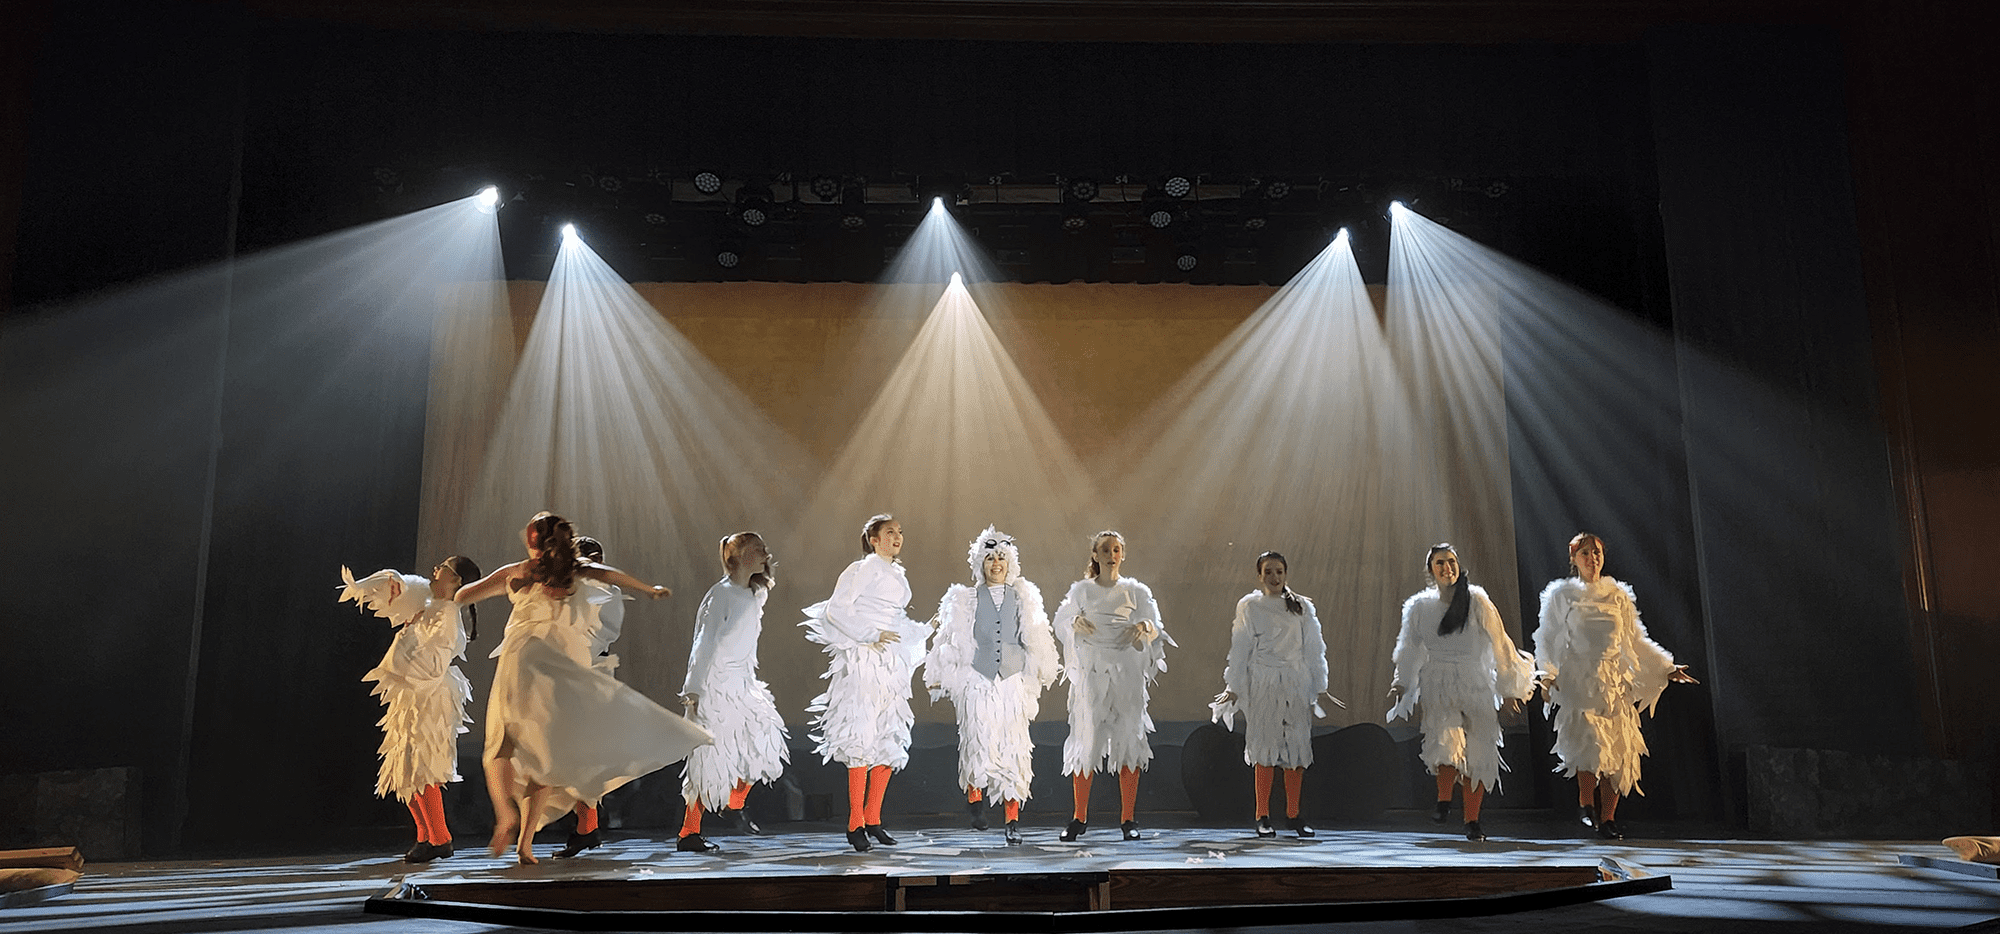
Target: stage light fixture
853 220
569 233
707 183
1396 209
1254 222
488 200
1160 218
1276 189
1075 221
752 214
1177 186
728 259
1185 262
937 205
1081 189
825 188
655 218
610 182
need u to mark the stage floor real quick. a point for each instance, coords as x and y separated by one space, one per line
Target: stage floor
1719 884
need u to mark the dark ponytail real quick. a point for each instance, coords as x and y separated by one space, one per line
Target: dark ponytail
467 572
556 562
1291 599
1460 606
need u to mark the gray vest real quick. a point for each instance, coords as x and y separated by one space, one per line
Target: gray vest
997 632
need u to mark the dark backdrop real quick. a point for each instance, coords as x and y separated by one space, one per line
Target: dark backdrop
164 137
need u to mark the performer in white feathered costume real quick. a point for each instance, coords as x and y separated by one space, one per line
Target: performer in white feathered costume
1276 671
1600 668
1455 664
993 655
1114 644
424 692
863 720
600 629
723 695
558 730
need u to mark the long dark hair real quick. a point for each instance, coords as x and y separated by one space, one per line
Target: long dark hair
467 572
1461 592
870 528
1094 539
555 562
1291 599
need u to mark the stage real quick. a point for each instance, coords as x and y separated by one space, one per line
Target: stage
1716 884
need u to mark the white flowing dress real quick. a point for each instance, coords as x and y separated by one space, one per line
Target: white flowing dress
1277 666
571 726
995 753
1606 669
424 693
1109 680
735 706
1458 682
864 717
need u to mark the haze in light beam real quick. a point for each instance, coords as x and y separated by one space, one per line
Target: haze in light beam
954 440
1293 436
616 422
1445 330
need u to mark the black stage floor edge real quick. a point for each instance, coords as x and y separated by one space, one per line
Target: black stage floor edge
1114 900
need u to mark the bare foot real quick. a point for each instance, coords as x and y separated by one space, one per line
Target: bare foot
525 856
503 837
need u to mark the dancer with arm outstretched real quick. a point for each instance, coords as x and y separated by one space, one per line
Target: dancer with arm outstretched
424 692
1600 669
558 730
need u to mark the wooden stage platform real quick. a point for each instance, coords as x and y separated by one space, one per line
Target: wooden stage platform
967 880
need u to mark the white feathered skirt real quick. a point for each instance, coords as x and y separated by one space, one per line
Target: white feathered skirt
420 734
864 717
1597 729
737 709
1459 714
1108 720
1278 718
995 753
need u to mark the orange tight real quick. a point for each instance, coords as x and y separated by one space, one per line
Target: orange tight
1475 794
865 788
1128 793
1295 780
427 808
737 795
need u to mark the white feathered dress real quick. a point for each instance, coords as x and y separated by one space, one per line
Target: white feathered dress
1605 668
572 727
864 717
735 706
1459 681
1109 679
424 692
995 753
1277 666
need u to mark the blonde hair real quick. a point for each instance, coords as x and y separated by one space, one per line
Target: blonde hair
732 550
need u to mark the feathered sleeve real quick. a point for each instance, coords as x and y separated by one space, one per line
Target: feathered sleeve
832 623
1552 631
1409 657
708 625
1236 670
950 659
1651 663
1043 663
1313 643
1513 669
1146 609
1064 626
